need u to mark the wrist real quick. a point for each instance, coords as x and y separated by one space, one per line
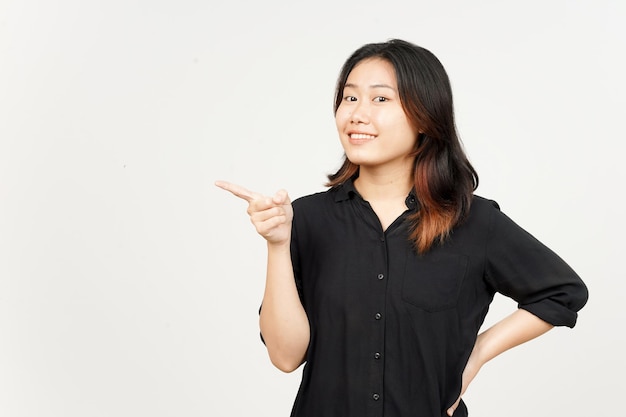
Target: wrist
279 246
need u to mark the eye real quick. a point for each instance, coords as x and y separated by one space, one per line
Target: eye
381 99
349 98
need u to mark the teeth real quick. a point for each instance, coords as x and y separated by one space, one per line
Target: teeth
361 136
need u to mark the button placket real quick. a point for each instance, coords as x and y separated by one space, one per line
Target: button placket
379 292
377 363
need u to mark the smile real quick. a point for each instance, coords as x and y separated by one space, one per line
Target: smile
361 136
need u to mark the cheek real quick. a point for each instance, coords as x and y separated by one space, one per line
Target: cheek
404 127
340 119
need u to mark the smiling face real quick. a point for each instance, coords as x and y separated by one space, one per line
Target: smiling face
374 130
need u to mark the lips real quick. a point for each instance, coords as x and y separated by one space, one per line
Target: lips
358 138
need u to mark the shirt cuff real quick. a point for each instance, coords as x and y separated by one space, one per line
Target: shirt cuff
552 312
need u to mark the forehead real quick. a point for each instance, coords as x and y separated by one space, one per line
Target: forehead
372 71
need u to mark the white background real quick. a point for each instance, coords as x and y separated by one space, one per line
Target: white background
129 284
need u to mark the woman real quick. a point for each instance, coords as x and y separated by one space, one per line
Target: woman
381 283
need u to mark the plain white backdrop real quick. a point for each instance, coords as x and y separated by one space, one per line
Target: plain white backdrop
129 284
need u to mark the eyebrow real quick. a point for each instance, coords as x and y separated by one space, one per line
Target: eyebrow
350 85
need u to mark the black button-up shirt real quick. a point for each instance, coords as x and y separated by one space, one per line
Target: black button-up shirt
391 330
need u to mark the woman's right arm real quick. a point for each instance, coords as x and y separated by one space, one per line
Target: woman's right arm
283 321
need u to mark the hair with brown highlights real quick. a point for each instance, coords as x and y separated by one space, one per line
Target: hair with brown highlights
443 176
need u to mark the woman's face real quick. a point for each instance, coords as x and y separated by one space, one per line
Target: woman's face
373 128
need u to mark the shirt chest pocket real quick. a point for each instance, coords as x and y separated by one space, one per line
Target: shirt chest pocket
433 283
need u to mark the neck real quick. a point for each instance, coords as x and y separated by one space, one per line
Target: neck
377 185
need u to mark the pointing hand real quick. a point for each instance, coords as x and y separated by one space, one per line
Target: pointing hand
271 216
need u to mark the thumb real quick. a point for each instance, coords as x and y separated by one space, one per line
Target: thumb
452 409
281 197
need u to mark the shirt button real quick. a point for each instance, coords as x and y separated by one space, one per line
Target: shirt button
377 355
378 316
381 276
376 397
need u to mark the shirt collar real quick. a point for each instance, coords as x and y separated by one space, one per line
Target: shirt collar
347 191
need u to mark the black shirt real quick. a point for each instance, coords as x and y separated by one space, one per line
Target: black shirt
391 330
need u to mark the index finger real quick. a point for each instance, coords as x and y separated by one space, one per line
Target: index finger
238 190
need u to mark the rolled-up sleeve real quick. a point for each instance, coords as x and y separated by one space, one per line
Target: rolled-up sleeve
524 269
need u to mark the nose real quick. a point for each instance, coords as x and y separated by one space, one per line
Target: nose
360 113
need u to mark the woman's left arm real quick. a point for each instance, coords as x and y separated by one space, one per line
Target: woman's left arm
518 328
